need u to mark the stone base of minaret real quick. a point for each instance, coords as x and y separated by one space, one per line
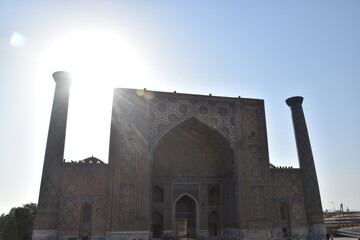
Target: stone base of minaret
317 231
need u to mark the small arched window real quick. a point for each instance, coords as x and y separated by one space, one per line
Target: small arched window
285 219
158 195
213 196
86 214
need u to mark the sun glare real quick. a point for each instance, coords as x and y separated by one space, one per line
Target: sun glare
95 57
98 62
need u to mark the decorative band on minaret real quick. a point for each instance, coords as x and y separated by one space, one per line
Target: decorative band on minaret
47 213
313 206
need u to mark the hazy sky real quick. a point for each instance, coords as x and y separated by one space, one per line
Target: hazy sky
270 50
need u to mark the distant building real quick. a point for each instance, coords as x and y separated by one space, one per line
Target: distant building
180 166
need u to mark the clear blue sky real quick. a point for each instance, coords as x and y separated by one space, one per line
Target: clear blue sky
257 49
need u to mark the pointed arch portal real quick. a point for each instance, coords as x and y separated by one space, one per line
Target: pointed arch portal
196 162
157 225
192 148
185 215
285 219
86 221
213 224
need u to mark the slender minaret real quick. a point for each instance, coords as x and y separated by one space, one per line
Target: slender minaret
47 212
313 206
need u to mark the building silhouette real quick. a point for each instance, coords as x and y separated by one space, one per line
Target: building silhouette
180 166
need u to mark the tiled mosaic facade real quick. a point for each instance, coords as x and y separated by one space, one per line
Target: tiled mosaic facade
166 111
83 184
288 188
221 185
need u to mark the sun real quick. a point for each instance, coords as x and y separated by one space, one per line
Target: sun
98 62
95 57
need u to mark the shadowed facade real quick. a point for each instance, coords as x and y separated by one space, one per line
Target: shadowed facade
180 166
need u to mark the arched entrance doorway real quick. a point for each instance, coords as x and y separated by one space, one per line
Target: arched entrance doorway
185 217
213 224
193 162
157 225
85 224
285 219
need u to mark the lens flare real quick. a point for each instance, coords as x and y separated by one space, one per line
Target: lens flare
17 40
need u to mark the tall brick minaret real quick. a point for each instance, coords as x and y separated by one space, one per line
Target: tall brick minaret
313 208
47 213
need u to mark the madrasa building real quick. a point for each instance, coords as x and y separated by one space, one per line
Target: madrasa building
180 166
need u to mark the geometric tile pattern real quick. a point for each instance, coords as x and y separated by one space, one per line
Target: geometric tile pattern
257 202
100 185
165 111
255 163
129 175
252 123
128 163
127 204
287 187
88 185
287 183
83 183
69 219
71 183
298 211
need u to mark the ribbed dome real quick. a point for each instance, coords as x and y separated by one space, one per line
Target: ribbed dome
92 159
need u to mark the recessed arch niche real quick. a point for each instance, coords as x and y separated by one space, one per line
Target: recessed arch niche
194 154
192 148
86 220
